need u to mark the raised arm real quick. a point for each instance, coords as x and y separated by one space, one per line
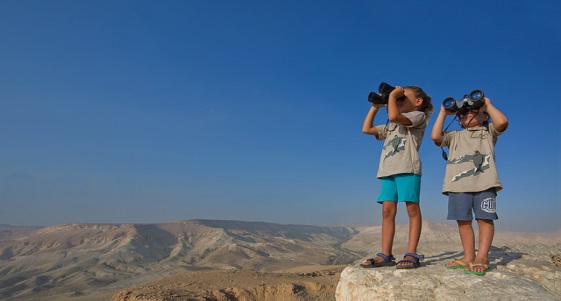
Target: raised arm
499 119
393 111
368 125
437 134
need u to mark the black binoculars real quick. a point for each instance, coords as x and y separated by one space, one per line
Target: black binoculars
384 94
472 101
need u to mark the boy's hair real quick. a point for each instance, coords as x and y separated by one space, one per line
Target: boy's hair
419 93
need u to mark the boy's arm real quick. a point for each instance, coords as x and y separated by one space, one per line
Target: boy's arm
499 119
393 111
437 134
368 125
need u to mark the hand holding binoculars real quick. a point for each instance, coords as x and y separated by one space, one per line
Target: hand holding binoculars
384 94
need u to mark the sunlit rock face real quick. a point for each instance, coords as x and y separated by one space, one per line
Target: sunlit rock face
524 272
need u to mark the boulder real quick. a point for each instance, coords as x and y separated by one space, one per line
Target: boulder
524 274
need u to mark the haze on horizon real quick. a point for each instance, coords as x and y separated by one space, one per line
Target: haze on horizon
145 112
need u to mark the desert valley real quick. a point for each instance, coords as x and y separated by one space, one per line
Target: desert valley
234 260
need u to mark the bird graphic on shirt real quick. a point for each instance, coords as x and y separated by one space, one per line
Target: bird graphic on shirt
479 160
396 144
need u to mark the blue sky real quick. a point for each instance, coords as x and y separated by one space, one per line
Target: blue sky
155 111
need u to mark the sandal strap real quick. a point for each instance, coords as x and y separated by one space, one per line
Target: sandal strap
417 256
386 258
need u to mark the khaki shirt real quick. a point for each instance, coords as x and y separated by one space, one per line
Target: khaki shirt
471 162
400 153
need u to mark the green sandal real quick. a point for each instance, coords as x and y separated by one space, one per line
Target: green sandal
486 267
459 265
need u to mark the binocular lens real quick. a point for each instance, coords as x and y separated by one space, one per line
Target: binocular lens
449 103
476 95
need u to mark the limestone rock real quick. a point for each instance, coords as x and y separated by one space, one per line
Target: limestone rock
518 274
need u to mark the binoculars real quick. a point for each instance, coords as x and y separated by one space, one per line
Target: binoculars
471 101
384 89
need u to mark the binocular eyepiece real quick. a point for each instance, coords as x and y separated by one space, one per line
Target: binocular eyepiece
384 94
471 101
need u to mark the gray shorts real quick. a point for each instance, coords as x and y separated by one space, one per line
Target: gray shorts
482 204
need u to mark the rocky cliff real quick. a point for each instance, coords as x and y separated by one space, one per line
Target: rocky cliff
521 272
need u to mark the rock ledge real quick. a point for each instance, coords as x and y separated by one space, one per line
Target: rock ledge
515 276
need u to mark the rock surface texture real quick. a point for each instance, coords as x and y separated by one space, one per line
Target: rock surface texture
522 273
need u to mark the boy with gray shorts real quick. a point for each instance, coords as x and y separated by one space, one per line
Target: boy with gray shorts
471 180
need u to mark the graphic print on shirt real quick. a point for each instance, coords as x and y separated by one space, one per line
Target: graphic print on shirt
395 145
480 163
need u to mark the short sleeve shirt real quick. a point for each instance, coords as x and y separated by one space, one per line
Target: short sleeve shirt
471 162
400 153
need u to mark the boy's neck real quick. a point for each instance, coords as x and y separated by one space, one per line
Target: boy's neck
474 126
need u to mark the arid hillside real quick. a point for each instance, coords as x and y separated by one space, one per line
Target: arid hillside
200 259
79 260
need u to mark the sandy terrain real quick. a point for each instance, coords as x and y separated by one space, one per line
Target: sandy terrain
318 284
440 244
218 260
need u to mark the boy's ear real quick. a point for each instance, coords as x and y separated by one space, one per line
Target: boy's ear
419 101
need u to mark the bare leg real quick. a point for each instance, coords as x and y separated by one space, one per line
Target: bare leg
486 233
389 210
415 225
467 237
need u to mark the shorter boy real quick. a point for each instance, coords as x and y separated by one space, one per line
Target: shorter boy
471 180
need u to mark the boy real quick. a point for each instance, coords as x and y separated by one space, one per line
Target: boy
471 180
400 169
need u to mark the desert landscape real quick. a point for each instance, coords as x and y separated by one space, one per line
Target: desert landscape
234 260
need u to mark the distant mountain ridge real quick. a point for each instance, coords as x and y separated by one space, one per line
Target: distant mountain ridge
87 257
11 227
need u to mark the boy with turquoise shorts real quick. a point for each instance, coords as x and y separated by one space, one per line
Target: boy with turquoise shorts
400 169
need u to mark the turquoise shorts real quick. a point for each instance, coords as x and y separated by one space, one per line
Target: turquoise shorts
404 187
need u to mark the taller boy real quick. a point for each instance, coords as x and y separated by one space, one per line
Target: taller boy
400 169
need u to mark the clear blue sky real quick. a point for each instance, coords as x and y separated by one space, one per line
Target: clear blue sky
155 111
